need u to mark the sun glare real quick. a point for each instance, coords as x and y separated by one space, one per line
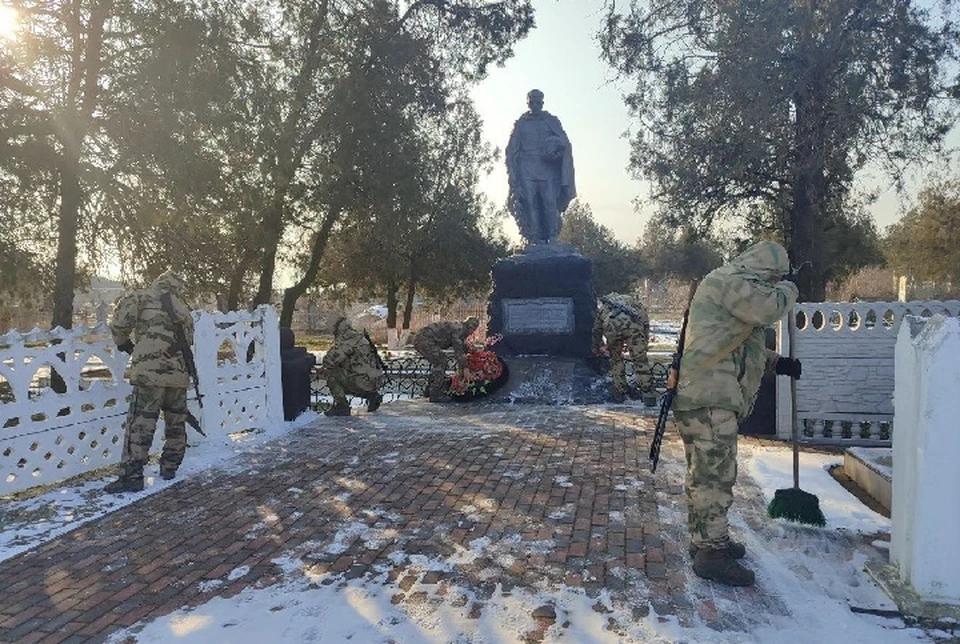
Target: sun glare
8 22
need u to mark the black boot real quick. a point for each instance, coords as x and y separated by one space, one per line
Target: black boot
338 409
617 397
735 549
167 473
718 565
130 480
373 402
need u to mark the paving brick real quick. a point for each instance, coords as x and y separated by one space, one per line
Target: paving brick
512 474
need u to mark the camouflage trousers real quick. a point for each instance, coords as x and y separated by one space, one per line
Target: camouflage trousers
436 385
710 442
341 383
141 423
636 344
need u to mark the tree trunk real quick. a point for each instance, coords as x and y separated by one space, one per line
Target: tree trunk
809 198
272 232
293 293
67 228
82 95
236 281
392 302
408 304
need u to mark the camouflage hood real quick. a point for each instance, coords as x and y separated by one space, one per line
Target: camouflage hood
156 360
169 282
766 260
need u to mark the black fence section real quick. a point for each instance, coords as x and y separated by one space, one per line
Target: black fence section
407 378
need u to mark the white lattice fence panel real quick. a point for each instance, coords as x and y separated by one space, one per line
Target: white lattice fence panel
238 360
847 351
46 436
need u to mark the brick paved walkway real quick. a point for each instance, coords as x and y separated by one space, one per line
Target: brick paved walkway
565 494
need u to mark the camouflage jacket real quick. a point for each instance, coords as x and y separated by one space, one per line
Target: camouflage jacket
734 301
353 354
154 362
619 316
446 335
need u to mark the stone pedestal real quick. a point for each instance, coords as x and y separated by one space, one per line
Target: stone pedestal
925 517
543 303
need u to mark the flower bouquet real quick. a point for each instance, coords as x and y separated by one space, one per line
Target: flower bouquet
485 373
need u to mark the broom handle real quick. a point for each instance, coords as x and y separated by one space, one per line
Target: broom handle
794 424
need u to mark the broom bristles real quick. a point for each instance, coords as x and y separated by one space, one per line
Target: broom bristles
796 505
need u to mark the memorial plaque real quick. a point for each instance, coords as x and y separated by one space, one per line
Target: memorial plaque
552 315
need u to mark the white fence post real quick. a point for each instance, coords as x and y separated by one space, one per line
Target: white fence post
271 345
205 355
925 515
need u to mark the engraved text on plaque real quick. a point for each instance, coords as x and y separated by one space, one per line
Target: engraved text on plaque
538 315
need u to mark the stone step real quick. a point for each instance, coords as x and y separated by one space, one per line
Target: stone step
872 469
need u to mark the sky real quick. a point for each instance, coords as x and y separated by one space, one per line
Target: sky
562 58
821 580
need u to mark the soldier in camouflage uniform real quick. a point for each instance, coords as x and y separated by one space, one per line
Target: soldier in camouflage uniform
430 342
623 320
159 378
352 366
724 358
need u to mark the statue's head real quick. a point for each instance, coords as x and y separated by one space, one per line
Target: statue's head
535 101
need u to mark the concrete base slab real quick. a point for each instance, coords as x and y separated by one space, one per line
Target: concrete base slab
906 598
551 380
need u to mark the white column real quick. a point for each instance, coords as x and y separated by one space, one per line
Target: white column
926 451
271 350
205 347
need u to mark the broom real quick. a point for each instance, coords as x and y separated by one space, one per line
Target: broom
792 503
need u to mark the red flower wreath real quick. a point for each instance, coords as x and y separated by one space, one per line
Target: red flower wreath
483 366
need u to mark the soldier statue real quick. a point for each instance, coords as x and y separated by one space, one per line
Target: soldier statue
540 170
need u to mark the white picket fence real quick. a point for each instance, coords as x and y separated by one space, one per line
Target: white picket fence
46 436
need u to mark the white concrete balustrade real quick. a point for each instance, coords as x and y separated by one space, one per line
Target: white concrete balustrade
46 436
847 351
925 516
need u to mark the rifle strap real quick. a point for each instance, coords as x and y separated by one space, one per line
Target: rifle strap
378 361
167 303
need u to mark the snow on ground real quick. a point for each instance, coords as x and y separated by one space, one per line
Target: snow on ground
817 579
28 523
771 468
327 608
